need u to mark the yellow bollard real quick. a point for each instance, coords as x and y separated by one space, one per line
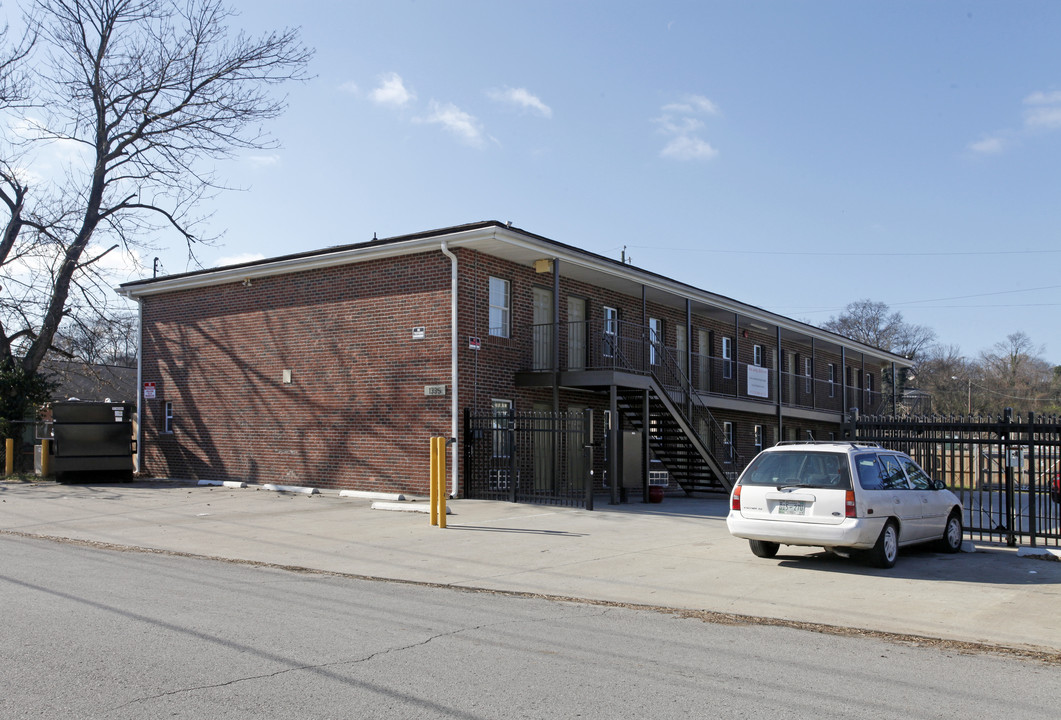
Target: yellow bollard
441 482
9 456
434 481
46 462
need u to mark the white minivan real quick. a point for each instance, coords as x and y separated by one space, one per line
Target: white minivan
845 497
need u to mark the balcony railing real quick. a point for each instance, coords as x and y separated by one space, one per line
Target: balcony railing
618 345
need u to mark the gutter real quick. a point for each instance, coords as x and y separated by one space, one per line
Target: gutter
453 364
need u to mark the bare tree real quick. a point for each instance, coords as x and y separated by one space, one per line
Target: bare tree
874 323
150 92
1016 375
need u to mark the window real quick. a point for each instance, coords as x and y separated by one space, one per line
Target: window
869 381
758 438
918 477
727 439
500 426
500 307
655 340
167 419
727 355
832 380
611 330
808 374
757 355
893 477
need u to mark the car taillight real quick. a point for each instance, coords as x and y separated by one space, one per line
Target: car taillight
735 499
849 504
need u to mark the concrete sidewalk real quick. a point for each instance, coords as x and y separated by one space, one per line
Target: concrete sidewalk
675 554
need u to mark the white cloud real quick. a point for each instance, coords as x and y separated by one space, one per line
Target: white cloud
1041 98
692 105
456 121
521 98
680 121
988 146
685 147
392 91
1042 114
238 259
262 161
1045 118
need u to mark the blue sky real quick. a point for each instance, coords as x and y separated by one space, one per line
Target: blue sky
796 156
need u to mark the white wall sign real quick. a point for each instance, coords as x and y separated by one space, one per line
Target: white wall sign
434 390
758 381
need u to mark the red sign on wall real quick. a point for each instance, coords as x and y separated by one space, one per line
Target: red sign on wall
149 391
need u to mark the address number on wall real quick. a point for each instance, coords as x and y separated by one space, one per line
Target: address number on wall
434 390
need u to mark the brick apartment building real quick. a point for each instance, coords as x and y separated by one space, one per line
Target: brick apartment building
333 368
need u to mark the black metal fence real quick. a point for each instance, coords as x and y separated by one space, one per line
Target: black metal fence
529 457
1005 469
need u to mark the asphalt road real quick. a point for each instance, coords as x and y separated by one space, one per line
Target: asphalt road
91 633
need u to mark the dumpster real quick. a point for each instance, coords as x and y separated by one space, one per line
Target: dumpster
92 440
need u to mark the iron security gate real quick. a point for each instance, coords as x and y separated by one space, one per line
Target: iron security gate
529 457
1005 470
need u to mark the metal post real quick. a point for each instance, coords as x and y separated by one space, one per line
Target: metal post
1033 500
587 449
645 421
777 385
1011 515
46 460
9 456
611 446
510 434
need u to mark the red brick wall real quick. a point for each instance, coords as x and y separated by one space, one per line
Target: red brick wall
355 413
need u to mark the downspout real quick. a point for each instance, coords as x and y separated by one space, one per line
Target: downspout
454 412
138 465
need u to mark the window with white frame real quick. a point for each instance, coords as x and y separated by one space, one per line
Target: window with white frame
808 374
832 380
167 418
611 331
727 356
727 435
500 307
757 355
502 416
757 439
655 340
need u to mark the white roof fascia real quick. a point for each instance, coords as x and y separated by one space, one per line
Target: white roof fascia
266 268
679 289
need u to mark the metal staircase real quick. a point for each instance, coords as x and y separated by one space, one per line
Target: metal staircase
682 432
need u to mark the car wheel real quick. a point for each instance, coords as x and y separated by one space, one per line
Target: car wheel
951 541
764 549
886 551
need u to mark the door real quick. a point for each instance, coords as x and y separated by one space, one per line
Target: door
906 504
935 506
543 329
576 333
703 371
544 446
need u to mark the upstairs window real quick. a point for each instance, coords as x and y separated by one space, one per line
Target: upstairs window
500 308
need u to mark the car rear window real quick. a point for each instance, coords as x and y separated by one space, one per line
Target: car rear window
799 469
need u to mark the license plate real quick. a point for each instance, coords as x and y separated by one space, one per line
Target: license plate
791 507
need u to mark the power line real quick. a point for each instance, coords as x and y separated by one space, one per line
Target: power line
848 253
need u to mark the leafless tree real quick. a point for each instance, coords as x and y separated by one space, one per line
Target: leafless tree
1016 375
874 323
149 94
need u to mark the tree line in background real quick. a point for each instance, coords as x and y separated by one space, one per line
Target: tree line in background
1012 373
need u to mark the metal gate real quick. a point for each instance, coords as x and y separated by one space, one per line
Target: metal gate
529 457
1006 470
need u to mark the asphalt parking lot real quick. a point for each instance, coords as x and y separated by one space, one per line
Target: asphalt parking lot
676 554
